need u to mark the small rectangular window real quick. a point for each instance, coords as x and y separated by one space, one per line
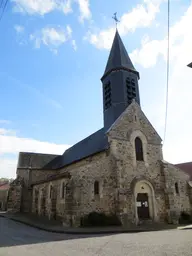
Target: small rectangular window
68 190
176 188
96 188
50 191
63 190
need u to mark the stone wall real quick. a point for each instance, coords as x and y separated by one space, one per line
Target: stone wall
179 198
38 175
122 134
14 199
3 200
24 173
31 176
80 198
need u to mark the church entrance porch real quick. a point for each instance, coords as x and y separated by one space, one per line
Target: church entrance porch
144 201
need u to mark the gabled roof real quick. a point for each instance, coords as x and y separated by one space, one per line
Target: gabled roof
186 167
95 143
118 58
34 160
135 104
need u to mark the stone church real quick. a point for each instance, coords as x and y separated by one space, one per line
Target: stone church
118 169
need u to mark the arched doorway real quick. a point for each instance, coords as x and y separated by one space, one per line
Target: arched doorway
144 201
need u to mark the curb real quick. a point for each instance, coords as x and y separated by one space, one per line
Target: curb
81 232
184 228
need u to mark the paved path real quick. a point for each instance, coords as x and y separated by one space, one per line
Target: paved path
22 240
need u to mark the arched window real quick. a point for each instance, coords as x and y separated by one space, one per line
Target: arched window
96 187
139 149
63 190
68 189
50 191
176 188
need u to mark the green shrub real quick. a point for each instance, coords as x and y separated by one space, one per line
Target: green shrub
96 219
185 218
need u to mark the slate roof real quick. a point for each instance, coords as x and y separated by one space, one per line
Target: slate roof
95 143
186 167
34 160
118 57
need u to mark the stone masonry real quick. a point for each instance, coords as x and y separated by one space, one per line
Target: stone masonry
118 174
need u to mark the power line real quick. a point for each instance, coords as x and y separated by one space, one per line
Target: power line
168 63
3 8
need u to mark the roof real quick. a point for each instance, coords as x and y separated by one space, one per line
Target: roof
118 57
186 167
4 186
95 143
34 160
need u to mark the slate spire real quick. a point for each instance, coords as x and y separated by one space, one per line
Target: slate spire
120 82
118 58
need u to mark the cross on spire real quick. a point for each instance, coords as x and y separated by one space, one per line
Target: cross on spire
115 18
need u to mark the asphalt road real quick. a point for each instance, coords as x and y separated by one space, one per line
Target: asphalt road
19 239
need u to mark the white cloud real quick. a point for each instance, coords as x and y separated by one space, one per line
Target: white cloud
19 29
8 167
42 7
35 6
51 37
180 38
66 6
84 9
12 145
148 54
74 45
69 31
4 131
141 16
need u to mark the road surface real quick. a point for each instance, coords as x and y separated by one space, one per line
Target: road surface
19 239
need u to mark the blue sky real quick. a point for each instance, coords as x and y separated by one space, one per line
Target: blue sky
53 54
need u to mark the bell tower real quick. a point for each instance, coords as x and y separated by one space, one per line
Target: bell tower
120 83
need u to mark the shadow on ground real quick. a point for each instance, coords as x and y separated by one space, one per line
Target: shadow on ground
14 234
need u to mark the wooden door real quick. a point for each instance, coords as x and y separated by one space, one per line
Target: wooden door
143 206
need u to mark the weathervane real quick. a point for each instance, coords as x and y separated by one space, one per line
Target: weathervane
115 18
